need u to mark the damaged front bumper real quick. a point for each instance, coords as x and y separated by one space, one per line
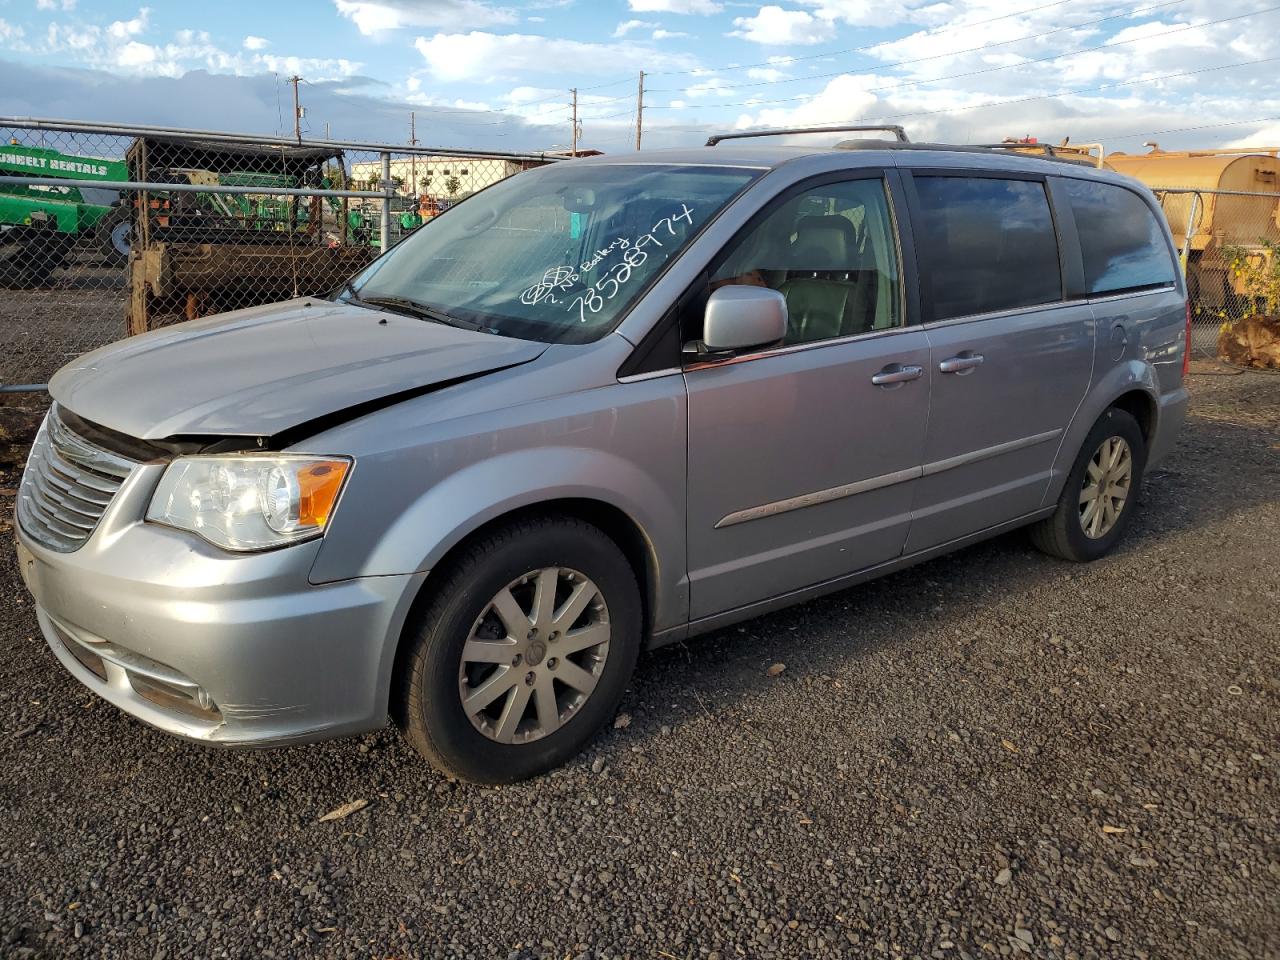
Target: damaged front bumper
216 647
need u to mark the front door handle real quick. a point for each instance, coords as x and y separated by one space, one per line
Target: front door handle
961 363
897 373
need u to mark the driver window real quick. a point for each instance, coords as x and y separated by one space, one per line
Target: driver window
830 252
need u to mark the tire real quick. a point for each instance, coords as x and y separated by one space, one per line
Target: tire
31 257
486 746
1064 534
115 234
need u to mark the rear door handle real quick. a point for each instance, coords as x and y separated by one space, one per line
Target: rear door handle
897 373
961 364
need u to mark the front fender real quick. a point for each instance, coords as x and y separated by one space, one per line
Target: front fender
420 536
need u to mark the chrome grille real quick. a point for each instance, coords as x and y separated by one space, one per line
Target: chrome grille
67 486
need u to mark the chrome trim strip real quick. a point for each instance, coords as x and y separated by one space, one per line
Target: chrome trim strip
818 497
997 314
1129 295
884 480
986 453
650 375
798 347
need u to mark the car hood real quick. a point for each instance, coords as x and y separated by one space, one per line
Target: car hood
264 370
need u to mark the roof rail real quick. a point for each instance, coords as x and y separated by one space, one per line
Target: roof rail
899 134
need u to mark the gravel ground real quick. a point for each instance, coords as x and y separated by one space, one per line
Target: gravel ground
991 754
82 309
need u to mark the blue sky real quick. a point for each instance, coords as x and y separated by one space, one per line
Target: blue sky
486 73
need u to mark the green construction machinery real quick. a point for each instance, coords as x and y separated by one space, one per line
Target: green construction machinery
40 224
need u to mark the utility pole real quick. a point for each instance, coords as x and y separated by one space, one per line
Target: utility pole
640 110
326 129
573 150
297 109
413 157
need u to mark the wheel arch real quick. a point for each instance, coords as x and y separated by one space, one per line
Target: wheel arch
613 521
1131 387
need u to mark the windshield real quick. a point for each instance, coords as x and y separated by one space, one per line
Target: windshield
556 254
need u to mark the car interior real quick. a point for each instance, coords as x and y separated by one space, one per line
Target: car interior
830 254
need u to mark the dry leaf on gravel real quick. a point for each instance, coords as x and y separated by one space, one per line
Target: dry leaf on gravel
1009 745
1107 828
776 669
346 810
622 721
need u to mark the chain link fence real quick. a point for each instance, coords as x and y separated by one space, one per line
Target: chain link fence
107 231
1230 247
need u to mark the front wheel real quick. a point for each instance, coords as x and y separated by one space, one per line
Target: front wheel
523 653
1101 492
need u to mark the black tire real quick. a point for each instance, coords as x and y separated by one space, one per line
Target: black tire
1063 535
427 705
31 255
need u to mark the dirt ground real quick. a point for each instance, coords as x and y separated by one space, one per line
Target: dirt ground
992 754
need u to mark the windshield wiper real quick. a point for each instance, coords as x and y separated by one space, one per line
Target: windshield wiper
426 312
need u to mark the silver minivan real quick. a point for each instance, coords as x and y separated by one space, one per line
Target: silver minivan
600 406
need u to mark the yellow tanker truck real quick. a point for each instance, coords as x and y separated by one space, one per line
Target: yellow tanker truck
1224 228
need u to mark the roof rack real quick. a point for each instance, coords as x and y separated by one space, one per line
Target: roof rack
1049 152
898 132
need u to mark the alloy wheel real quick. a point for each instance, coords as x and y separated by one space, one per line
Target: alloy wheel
534 655
1106 487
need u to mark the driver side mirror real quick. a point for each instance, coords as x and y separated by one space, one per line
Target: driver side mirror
738 317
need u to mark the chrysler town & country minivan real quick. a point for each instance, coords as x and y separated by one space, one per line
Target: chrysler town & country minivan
603 405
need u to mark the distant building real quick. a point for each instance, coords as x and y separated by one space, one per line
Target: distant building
439 176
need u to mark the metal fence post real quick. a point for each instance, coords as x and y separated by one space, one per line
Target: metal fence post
1186 237
384 241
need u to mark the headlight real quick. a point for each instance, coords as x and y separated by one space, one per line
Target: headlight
249 502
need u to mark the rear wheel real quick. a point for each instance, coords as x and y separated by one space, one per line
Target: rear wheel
1101 492
523 653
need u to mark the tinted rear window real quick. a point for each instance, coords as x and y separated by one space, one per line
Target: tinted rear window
1121 241
986 244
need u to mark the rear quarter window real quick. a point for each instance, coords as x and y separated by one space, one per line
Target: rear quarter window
1122 243
985 244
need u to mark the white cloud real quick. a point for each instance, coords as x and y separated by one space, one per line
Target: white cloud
1262 137
121 29
668 34
628 25
124 47
766 74
10 33
134 55
862 12
481 55
774 26
676 6
373 17
713 86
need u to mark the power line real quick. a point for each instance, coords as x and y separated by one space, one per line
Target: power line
1203 126
1007 66
955 53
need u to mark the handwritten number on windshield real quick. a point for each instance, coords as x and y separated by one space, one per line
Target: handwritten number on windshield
633 257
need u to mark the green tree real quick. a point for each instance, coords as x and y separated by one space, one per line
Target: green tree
453 185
